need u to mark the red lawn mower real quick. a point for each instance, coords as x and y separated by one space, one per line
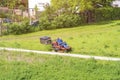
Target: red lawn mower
58 45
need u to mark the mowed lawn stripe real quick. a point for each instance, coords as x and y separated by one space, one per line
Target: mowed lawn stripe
95 39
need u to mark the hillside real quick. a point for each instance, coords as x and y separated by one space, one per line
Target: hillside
95 39
29 66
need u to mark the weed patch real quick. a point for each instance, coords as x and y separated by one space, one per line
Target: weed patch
47 67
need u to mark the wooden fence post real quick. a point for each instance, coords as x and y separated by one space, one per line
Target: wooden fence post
1 26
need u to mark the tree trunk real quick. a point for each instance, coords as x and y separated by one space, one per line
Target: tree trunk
89 16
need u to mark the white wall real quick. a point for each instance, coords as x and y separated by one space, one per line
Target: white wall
39 3
116 3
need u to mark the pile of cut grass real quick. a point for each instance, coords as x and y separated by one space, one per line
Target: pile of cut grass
30 66
96 39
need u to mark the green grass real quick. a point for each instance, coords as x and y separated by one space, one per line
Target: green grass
30 66
96 39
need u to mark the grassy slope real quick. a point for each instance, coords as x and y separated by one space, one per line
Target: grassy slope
97 39
29 66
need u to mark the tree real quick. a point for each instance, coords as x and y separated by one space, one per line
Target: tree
11 4
104 3
3 3
86 7
72 5
81 5
22 8
36 9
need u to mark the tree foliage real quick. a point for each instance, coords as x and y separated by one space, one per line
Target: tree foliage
71 5
78 5
3 3
104 3
13 3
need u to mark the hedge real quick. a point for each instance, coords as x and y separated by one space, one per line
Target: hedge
61 21
105 14
19 28
65 21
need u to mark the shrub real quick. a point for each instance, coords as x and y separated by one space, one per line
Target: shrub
61 21
44 23
103 14
20 28
3 15
67 20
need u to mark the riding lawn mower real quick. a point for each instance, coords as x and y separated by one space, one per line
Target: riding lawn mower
57 45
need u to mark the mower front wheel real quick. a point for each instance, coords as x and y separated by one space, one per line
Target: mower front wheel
56 49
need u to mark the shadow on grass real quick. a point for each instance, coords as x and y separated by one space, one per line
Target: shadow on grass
102 23
96 23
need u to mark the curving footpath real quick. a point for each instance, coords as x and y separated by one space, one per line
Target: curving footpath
63 54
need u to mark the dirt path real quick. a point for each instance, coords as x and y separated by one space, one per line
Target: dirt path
63 54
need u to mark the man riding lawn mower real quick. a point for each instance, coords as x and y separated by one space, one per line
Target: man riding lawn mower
58 45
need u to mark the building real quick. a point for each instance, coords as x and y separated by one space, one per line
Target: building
116 3
37 3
